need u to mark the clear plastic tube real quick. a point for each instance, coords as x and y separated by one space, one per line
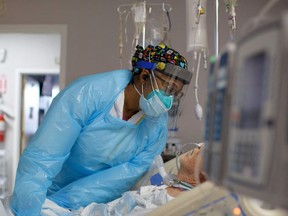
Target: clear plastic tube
198 107
197 41
121 35
160 166
231 9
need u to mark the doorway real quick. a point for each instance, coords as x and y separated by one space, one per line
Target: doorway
32 53
38 91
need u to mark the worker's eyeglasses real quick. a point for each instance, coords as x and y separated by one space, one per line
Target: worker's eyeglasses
170 88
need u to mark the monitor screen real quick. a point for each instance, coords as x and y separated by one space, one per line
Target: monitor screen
252 93
209 101
221 86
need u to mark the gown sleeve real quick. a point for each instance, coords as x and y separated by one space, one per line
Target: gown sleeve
44 156
107 185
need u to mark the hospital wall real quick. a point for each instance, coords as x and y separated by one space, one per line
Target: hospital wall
93 31
22 57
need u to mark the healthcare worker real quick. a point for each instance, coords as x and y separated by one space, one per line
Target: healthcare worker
101 133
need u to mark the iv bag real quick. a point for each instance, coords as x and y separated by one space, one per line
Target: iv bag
139 12
196 25
155 33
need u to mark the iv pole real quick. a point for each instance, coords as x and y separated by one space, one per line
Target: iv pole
217 28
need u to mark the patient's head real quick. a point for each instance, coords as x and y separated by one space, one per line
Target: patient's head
191 164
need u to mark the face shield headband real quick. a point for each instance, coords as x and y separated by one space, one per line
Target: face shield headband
170 70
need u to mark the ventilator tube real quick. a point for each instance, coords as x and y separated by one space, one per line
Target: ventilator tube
160 166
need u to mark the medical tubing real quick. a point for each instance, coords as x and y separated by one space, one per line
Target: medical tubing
169 20
160 166
125 30
198 12
121 44
196 79
182 184
205 59
233 15
198 108
217 28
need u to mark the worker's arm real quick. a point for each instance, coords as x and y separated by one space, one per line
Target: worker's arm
109 184
44 156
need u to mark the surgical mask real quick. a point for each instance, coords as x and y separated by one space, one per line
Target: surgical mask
156 103
165 100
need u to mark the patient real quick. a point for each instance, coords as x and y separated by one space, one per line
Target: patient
190 170
145 199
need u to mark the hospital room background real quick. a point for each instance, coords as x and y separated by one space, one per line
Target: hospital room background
44 45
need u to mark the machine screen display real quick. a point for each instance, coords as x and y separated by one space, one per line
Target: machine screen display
252 95
221 84
209 101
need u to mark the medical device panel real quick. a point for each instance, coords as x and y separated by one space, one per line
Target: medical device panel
257 137
217 107
209 113
211 200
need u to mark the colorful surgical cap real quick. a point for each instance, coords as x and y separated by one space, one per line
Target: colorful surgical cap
159 53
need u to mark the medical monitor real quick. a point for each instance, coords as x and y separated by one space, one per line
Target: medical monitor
217 105
209 199
257 139
208 126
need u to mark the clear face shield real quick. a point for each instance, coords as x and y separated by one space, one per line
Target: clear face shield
173 80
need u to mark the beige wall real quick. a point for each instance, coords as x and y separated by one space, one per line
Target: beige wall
93 28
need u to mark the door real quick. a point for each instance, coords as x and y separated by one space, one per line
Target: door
37 94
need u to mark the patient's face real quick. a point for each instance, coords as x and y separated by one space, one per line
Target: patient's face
191 161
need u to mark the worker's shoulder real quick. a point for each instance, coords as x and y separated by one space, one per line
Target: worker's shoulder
99 79
103 77
107 75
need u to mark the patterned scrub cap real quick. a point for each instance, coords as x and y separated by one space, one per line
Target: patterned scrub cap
159 53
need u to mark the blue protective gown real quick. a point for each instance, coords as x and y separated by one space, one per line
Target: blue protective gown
80 153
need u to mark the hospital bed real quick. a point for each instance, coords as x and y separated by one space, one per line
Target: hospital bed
207 199
210 200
